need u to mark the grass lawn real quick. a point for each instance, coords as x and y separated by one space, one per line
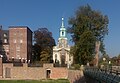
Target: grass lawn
35 81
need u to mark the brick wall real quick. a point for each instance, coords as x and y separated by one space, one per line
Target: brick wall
25 72
1 67
28 73
57 73
36 73
76 76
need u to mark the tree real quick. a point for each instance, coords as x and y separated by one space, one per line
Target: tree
45 56
86 47
36 51
118 56
116 60
44 42
87 21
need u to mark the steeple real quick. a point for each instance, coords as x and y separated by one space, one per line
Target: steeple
62 23
62 30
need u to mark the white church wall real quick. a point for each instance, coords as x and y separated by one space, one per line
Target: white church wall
62 47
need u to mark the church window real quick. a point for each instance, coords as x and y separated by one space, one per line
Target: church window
62 33
60 45
55 56
69 59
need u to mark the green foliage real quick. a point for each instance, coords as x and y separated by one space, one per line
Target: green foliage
86 47
76 66
45 55
87 27
107 59
36 50
115 60
106 56
42 48
119 56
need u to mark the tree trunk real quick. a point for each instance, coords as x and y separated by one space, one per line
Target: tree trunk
97 46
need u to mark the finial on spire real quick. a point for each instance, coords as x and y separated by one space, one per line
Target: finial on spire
62 18
62 22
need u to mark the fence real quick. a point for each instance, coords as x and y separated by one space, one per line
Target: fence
103 75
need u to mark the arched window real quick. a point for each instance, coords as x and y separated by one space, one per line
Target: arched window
62 33
5 35
5 40
55 58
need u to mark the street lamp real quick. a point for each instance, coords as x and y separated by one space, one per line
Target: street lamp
110 66
109 62
104 59
1 56
104 62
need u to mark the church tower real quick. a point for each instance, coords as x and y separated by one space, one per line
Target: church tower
61 53
62 30
63 41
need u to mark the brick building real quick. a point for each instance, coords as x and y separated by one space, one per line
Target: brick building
20 39
0 39
4 43
16 43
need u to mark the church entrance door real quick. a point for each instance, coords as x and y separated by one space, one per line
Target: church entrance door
62 60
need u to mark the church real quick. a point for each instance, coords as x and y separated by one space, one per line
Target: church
61 52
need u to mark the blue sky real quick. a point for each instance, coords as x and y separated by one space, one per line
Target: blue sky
48 13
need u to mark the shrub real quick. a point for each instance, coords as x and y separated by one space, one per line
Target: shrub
76 66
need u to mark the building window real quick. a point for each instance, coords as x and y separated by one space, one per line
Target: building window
5 40
7 53
21 41
7 48
15 34
17 51
17 54
17 48
14 41
21 34
17 31
5 35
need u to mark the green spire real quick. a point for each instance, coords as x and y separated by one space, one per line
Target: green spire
62 30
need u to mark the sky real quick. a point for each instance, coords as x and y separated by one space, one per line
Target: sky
48 13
